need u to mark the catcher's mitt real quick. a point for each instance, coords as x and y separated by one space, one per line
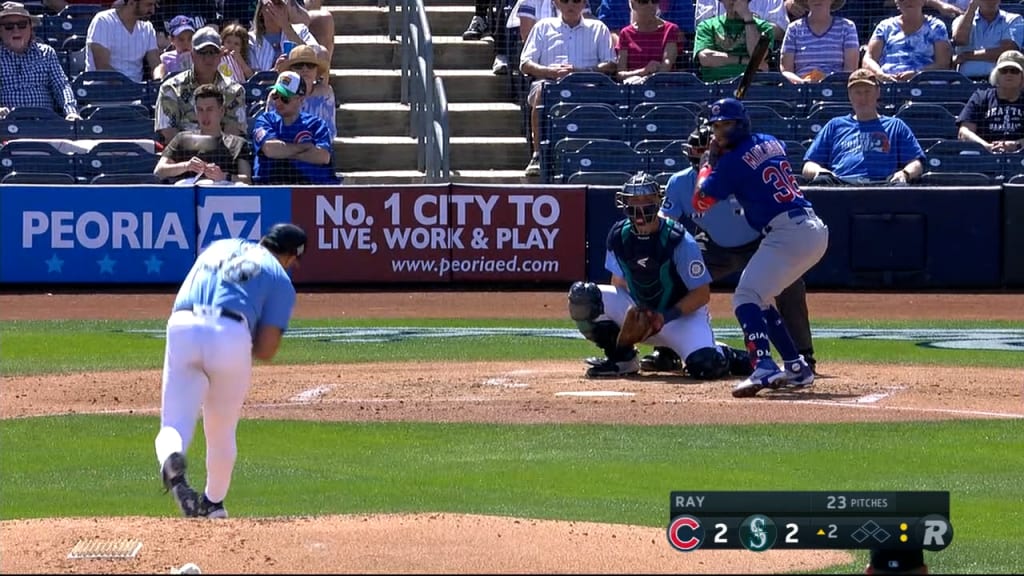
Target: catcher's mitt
639 325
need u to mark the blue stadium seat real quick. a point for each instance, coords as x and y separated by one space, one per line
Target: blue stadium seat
768 121
832 88
37 178
34 156
585 88
637 110
672 87
819 115
74 20
795 152
30 122
663 121
115 122
962 156
107 86
667 158
588 121
599 178
766 86
929 121
552 155
603 156
933 179
114 158
258 84
147 178
1013 165
931 86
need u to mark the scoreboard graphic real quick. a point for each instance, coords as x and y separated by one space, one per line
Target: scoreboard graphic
762 521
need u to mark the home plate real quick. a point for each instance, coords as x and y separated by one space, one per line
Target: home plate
595 393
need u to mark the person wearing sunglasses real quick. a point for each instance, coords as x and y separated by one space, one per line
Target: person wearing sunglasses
292 147
175 103
30 74
310 63
558 47
994 117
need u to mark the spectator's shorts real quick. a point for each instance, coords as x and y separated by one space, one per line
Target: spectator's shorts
533 98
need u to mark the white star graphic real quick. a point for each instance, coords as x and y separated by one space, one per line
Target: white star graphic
153 264
54 264
106 264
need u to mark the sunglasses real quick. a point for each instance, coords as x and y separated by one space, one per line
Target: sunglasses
647 1
19 25
573 1
304 65
283 99
209 52
1009 70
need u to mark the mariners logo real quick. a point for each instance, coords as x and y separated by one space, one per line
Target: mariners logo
758 533
696 269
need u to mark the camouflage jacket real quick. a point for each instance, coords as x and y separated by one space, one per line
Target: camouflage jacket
175 107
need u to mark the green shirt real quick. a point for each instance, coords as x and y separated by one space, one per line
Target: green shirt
729 36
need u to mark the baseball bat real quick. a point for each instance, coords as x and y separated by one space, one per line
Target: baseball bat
760 51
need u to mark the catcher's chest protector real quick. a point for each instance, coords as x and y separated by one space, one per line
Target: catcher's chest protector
647 263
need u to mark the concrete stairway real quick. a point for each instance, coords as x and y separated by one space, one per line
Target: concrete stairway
374 144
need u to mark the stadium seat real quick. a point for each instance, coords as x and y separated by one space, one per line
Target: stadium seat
587 121
672 87
585 88
668 158
114 158
663 177
832 88
820 114
795 152
931 86
637 110
599 178
37 178
148 178
603 156
107 86
258 84
35 156
939 178
929 121
962 156
767 120
115 122
1013 165
663 121
765 85
30 122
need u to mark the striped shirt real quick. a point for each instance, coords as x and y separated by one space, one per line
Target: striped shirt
985 34
552 41
826 52
127 48
263 53
34 78
904 53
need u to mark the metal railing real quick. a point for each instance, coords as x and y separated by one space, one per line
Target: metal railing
421 90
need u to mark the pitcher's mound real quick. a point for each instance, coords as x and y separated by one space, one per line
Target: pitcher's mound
380 543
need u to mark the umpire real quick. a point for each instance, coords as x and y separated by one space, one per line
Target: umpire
727 242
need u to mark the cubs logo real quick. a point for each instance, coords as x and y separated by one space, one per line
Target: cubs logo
715 110
696 269
303 136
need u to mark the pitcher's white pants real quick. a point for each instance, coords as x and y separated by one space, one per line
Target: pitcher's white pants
685 334
208 365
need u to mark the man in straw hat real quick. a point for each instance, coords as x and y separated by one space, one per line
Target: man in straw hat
30 74
310 62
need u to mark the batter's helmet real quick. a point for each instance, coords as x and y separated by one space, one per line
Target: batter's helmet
731 109
640 185
285 238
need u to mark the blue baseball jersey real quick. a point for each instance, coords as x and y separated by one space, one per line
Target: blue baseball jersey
858 151
724 222
241 276
306 128
758 174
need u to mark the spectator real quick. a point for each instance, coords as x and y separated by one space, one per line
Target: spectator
271 28
616 15
982 34
207 152
993 117
180 58
234 63
902 46
122 38
819 44
526 13
479 29
292 147
558 47
478 25
30 74
864 147
319 99
774 11
648 45
896 562
200 12
724 43
175 107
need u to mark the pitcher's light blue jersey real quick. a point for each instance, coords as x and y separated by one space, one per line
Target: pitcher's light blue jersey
243 277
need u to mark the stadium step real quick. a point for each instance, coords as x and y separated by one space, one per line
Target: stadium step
415 177
379 85
363 153
377 51
373 20
392 119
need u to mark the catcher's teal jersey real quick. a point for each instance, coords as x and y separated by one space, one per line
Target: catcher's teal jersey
660 268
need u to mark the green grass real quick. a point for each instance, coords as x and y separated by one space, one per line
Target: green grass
92 465
73 346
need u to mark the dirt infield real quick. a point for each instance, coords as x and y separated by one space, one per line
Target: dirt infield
506 392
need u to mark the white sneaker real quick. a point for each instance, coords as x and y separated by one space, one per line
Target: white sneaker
500 66
533 168
766 375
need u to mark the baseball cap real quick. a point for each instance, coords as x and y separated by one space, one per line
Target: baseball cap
883 560
180 24
204 37
862 76
285 238
290 84
1008 59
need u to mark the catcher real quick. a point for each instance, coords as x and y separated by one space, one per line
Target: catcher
658 294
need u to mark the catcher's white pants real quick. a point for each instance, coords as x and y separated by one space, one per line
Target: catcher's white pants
685 334
207 365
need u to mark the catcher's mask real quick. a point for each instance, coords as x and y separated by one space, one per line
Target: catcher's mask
640 199
697 143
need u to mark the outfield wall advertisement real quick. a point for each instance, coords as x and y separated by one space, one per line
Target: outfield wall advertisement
441 233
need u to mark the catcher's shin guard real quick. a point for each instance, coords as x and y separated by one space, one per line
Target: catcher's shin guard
661 360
